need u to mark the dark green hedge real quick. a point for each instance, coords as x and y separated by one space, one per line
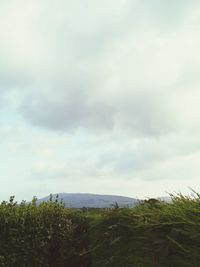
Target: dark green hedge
153 234
44 235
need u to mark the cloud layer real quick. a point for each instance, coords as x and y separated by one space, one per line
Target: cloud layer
119 79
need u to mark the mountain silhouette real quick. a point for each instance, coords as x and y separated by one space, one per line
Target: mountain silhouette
80 200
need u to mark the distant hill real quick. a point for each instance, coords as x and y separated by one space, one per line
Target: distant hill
80 200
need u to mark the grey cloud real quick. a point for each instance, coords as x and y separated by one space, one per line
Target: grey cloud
67 56
169 11
145 154
145 113
138 113
72 112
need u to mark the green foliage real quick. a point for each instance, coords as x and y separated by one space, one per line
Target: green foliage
44 235
153 234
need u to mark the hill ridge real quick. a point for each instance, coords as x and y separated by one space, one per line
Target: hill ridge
90 200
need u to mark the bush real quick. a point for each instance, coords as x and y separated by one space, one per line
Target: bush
44 235
153 233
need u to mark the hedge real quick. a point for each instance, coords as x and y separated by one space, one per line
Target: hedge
153 233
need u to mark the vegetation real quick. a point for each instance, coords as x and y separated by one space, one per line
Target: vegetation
154 233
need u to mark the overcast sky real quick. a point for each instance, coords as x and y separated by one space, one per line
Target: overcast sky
99 96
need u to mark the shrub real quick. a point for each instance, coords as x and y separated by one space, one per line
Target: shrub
153 234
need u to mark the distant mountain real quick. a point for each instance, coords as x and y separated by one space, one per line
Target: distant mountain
80 200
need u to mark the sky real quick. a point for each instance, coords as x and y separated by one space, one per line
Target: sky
99 96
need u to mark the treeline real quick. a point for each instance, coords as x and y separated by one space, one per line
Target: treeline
153 234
